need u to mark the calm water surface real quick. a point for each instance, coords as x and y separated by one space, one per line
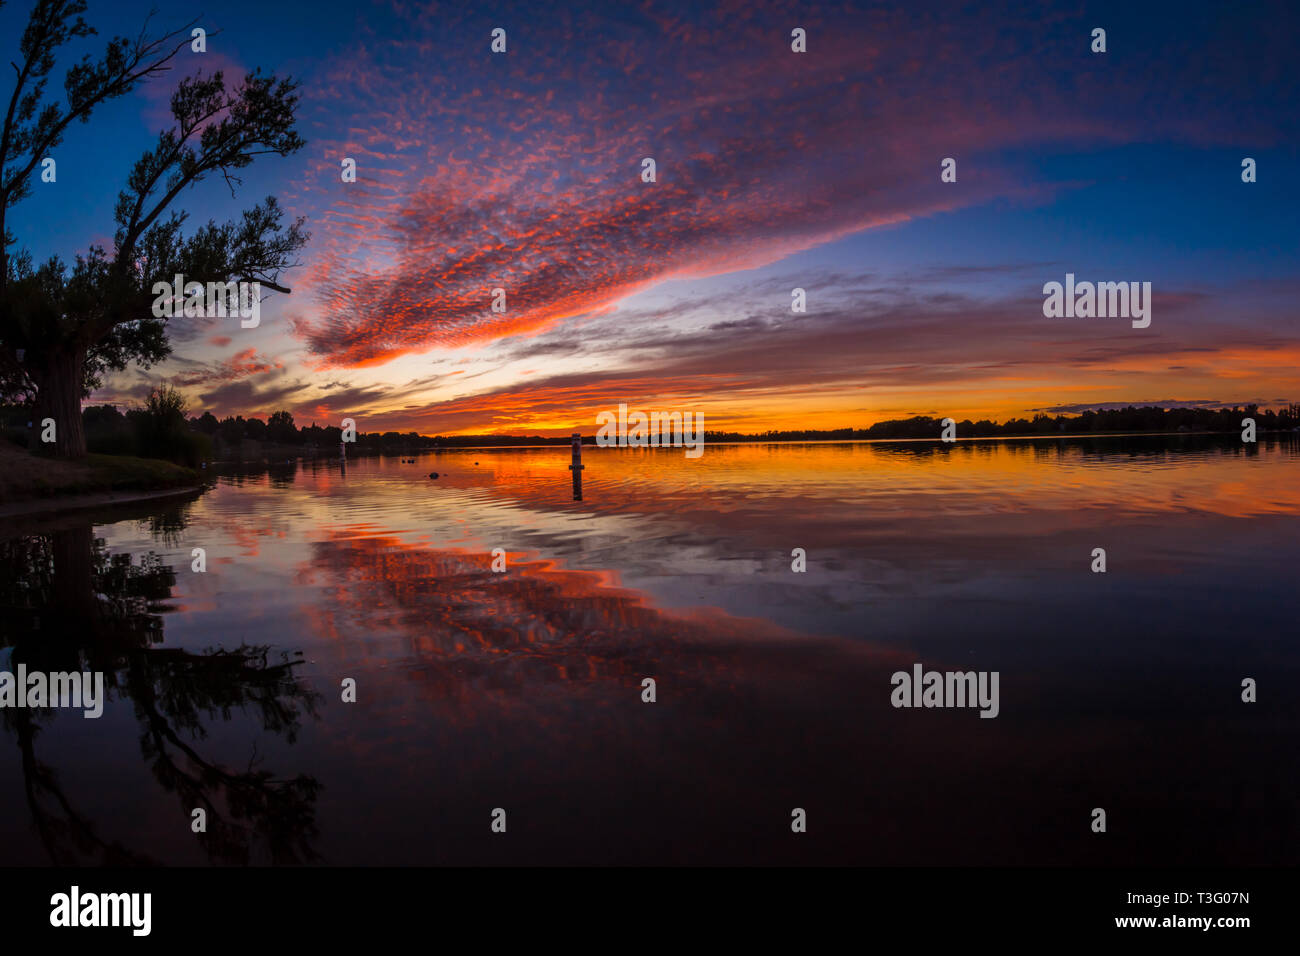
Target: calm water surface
522 690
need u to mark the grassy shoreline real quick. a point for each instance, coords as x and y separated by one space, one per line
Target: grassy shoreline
24 477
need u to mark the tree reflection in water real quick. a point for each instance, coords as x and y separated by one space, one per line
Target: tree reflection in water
69 605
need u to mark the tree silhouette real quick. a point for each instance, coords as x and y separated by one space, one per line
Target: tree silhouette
62 328
67 605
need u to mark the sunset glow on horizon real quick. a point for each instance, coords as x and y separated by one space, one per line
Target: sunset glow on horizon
775 171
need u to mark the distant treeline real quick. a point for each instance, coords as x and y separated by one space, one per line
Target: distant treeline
1146 418
158 430
161 430
279 428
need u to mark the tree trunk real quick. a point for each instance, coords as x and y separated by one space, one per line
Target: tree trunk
58 397
74 609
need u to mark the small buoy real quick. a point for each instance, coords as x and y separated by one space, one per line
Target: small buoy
433 474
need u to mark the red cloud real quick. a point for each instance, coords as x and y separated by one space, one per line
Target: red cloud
529 179
522 172
238 366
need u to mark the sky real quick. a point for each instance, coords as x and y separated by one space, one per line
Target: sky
775 170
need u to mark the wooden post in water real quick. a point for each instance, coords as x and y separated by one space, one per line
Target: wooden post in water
576 466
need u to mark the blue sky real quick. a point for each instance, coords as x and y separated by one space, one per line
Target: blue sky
776 169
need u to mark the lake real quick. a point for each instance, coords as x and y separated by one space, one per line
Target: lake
522 690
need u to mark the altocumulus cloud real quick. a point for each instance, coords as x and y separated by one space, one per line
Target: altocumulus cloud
521 171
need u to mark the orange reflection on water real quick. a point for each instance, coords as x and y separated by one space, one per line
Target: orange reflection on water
975 477
470 633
